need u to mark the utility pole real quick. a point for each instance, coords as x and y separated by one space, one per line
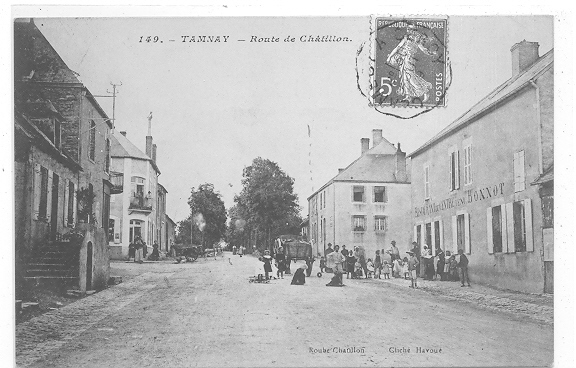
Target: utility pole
114 93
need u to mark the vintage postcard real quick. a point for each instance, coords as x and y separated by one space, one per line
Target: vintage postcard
209 189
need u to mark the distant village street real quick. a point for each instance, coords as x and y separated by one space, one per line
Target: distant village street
177 315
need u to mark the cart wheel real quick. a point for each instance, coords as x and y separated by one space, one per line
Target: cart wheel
194 257
319 274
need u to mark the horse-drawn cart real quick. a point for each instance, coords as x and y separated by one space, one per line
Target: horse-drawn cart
190 253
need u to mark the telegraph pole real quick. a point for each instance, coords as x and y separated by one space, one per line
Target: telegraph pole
114 93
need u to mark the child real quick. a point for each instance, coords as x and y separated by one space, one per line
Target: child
377 265
370 267
386 270
322 264
350 263
267 259
412 265
446 274
453 268
405 270
358 269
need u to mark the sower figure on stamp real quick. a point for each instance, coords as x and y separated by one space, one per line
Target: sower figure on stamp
411 85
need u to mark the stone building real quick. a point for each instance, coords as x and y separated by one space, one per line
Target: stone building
141 208
471 182
366 204
67 185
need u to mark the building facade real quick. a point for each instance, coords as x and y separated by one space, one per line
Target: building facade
141 208
61 156
367 204
471 182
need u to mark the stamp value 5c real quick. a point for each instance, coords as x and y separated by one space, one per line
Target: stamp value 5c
409 62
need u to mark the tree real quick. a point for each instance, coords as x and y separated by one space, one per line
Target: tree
267 204
207 215
184 231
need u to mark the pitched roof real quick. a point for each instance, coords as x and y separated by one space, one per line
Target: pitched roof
546 176
502 92
121 147
377 165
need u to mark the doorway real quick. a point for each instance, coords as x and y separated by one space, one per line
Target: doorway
89 266
54 209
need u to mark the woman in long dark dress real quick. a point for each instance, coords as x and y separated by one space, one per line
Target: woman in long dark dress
441 263
280 262
267 259
350 262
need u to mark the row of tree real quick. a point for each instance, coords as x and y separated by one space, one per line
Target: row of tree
265 208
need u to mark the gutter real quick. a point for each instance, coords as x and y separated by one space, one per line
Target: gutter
538 119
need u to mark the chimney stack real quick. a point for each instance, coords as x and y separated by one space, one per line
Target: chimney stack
376 137
149 146
154 152
524 54
400 167
365 144
123 132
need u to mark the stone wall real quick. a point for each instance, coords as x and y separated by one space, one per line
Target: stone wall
100 258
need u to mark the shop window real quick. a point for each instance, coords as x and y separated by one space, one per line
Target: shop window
380 194
428 234
461 232
519 216
418 238
135 229
497 229
380 223
519 173
437 235
358 194
358 223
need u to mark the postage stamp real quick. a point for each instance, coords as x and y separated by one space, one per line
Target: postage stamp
410 68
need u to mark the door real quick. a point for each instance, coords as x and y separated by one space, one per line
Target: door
89 266
54 209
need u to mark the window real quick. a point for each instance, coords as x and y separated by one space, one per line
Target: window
461 231
519 216
42 210
135 229
324 198
105 210
111 225
519 174
380 195
137 186
70 205
320 200
454 169
418 237
428 228
548 211
51 129
92 141
497 229
468 165
358 223
107 156
379 223
437 236
427 182
358 194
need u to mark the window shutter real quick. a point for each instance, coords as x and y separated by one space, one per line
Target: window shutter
504 230
441 229
522 174
489 239
467 233
450 171
470 164
65 205
528 224
433 237
510 227
457 169
49 197
75 206
385 194
37 183
454 234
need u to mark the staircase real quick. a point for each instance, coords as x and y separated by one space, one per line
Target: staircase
55 262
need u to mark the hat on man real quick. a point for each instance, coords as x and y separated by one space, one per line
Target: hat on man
393 242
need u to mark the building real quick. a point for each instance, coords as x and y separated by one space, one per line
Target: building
471 182
141 208
62 160
366 204
170 232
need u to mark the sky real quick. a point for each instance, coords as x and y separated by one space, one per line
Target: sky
217 106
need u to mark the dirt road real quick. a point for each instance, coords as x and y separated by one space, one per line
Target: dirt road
207 314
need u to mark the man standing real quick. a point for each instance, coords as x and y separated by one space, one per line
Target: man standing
412 267
394 252
138 246
335 260
463 268
328 250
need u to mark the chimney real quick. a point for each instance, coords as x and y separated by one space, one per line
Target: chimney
524 54
154 152
400 167
376 137
123 132
149 146
365 144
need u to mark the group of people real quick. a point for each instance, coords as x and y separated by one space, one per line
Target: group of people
238 250
282 264
442 265
138 250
